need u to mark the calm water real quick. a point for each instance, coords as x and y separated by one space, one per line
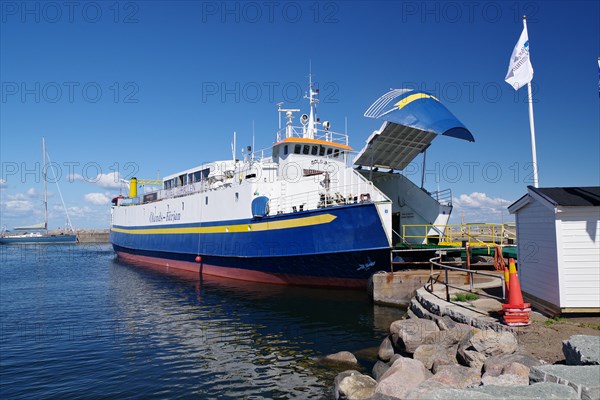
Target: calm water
75 322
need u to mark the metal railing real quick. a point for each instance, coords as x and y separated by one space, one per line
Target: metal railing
338 195
437 261
444 197
484 234
291 131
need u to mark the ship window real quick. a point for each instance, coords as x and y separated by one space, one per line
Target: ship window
297 149
321 150
336 153
182 206
329 151
306 149
314 150
285 150
197 176
237 196
206 200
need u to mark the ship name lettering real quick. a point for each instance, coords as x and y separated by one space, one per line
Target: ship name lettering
173 216
156 217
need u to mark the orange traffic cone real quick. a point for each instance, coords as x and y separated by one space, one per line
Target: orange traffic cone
516 312
515 297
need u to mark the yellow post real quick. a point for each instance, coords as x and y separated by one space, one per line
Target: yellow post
133 187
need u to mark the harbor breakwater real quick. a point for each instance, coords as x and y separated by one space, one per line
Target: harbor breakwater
92 235
435 357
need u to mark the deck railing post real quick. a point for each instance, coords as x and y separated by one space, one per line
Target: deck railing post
446 283
467 251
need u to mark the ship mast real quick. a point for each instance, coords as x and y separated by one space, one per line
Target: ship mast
44 171
311 129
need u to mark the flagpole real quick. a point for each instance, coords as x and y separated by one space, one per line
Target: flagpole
531 123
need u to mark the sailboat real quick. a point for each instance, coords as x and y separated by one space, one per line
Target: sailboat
38 233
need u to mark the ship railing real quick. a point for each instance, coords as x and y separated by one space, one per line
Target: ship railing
475 234
443 197
319 134
360 192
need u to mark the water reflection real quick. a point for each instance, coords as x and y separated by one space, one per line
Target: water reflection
247 338
75 322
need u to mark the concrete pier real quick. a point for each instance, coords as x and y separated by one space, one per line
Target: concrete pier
93 235
398 288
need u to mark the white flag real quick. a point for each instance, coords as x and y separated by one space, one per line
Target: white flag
520 71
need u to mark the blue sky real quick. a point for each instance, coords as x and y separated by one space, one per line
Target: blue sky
148 88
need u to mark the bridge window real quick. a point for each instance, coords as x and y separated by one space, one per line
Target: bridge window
285 150
321 151
329 151
297 149
315 150
196 176
336 153
306 149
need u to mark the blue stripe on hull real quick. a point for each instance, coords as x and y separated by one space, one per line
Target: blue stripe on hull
353 245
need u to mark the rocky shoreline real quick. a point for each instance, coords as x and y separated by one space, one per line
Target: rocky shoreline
444 359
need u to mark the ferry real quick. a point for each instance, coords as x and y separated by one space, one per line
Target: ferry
306 211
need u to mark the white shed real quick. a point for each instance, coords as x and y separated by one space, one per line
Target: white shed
558 239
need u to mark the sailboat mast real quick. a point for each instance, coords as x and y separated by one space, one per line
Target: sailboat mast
44 177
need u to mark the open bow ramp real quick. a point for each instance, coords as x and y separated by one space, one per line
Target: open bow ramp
412 119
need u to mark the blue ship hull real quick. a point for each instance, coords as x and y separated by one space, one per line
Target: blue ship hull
338 246
44 239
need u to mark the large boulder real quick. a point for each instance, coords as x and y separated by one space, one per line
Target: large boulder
380 396
429 353
458 333
352 385
408 334
492 343
447 394
339 378
438 364
584 379
457 376
404 375
515 368
445 323
471 358
425 390
379 369
473 350
538 391
342 357
582 350
494 365
386 350
505 380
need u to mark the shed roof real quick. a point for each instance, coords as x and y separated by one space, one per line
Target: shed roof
579 196
571 196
